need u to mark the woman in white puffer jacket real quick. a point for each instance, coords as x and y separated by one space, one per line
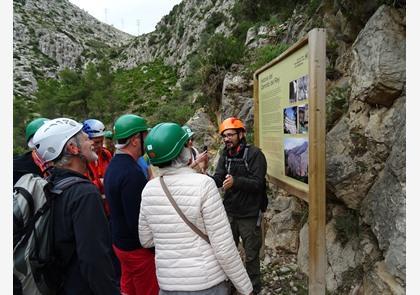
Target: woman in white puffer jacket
185 262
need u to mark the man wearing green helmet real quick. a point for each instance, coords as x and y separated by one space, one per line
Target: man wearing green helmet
29 162
108 141
187 262
200 161
124 182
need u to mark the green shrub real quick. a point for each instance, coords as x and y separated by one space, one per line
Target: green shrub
224 51
265 54
241 30
215 20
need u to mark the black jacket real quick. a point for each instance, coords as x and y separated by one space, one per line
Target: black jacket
82 239
24 164
244 198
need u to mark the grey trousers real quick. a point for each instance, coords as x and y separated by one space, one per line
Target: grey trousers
220 289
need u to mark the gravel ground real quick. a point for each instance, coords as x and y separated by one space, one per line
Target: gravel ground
281 275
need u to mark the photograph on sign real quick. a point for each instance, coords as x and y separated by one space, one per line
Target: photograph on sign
290 120
303 119
298 89
293 91
302 88
296 158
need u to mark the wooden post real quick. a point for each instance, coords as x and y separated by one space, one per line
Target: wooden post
317 200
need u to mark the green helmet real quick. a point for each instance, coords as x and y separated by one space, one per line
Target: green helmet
33 126
128 125
108 134
188 130
164 142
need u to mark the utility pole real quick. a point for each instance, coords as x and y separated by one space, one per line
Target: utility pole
122 23
138 27
106 15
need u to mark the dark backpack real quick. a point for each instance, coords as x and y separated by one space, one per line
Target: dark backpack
34 262
244 160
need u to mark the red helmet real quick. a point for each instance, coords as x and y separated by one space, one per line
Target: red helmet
231 123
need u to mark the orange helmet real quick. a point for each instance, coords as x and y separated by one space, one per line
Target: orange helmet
231 123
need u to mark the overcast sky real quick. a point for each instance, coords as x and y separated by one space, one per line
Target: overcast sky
135 17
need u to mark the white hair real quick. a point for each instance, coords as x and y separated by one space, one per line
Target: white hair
183 159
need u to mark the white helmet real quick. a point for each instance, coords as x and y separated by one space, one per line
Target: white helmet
50 138
93 128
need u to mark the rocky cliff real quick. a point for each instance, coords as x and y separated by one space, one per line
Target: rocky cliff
51 35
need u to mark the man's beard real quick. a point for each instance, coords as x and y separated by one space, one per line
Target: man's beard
92 157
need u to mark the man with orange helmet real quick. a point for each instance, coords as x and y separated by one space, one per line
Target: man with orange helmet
241 172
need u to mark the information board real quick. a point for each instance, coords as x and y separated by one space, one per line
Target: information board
284 112
289 127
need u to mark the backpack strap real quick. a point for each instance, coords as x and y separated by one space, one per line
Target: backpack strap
28 197
180 213
65 183
245 157
50 192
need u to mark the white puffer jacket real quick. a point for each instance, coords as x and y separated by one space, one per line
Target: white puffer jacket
184 261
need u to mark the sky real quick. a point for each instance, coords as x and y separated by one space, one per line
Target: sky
135 17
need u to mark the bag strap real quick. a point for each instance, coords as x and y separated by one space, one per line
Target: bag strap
178 210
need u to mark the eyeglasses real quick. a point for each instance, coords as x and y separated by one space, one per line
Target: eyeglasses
229 135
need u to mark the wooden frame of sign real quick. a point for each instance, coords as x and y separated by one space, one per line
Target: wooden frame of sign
289 127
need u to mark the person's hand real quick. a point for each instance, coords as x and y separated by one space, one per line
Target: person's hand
228 182
202 158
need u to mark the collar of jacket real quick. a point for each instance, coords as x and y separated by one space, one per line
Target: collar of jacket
172 171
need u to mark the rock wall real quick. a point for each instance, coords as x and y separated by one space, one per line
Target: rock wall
365 151
49 36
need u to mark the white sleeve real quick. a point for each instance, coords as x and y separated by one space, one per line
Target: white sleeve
221 238
145 232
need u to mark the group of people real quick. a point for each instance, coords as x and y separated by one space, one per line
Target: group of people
131 230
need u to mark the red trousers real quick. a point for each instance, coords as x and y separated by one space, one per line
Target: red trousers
138 272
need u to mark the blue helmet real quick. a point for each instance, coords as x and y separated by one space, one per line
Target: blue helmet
93 128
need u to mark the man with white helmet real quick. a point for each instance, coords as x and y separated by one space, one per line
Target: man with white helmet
81 234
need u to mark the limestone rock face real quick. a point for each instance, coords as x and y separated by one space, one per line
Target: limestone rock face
205 133
283 228
49 36
378 71
345 259
237 99
178 34
379 281
384 208
358 146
